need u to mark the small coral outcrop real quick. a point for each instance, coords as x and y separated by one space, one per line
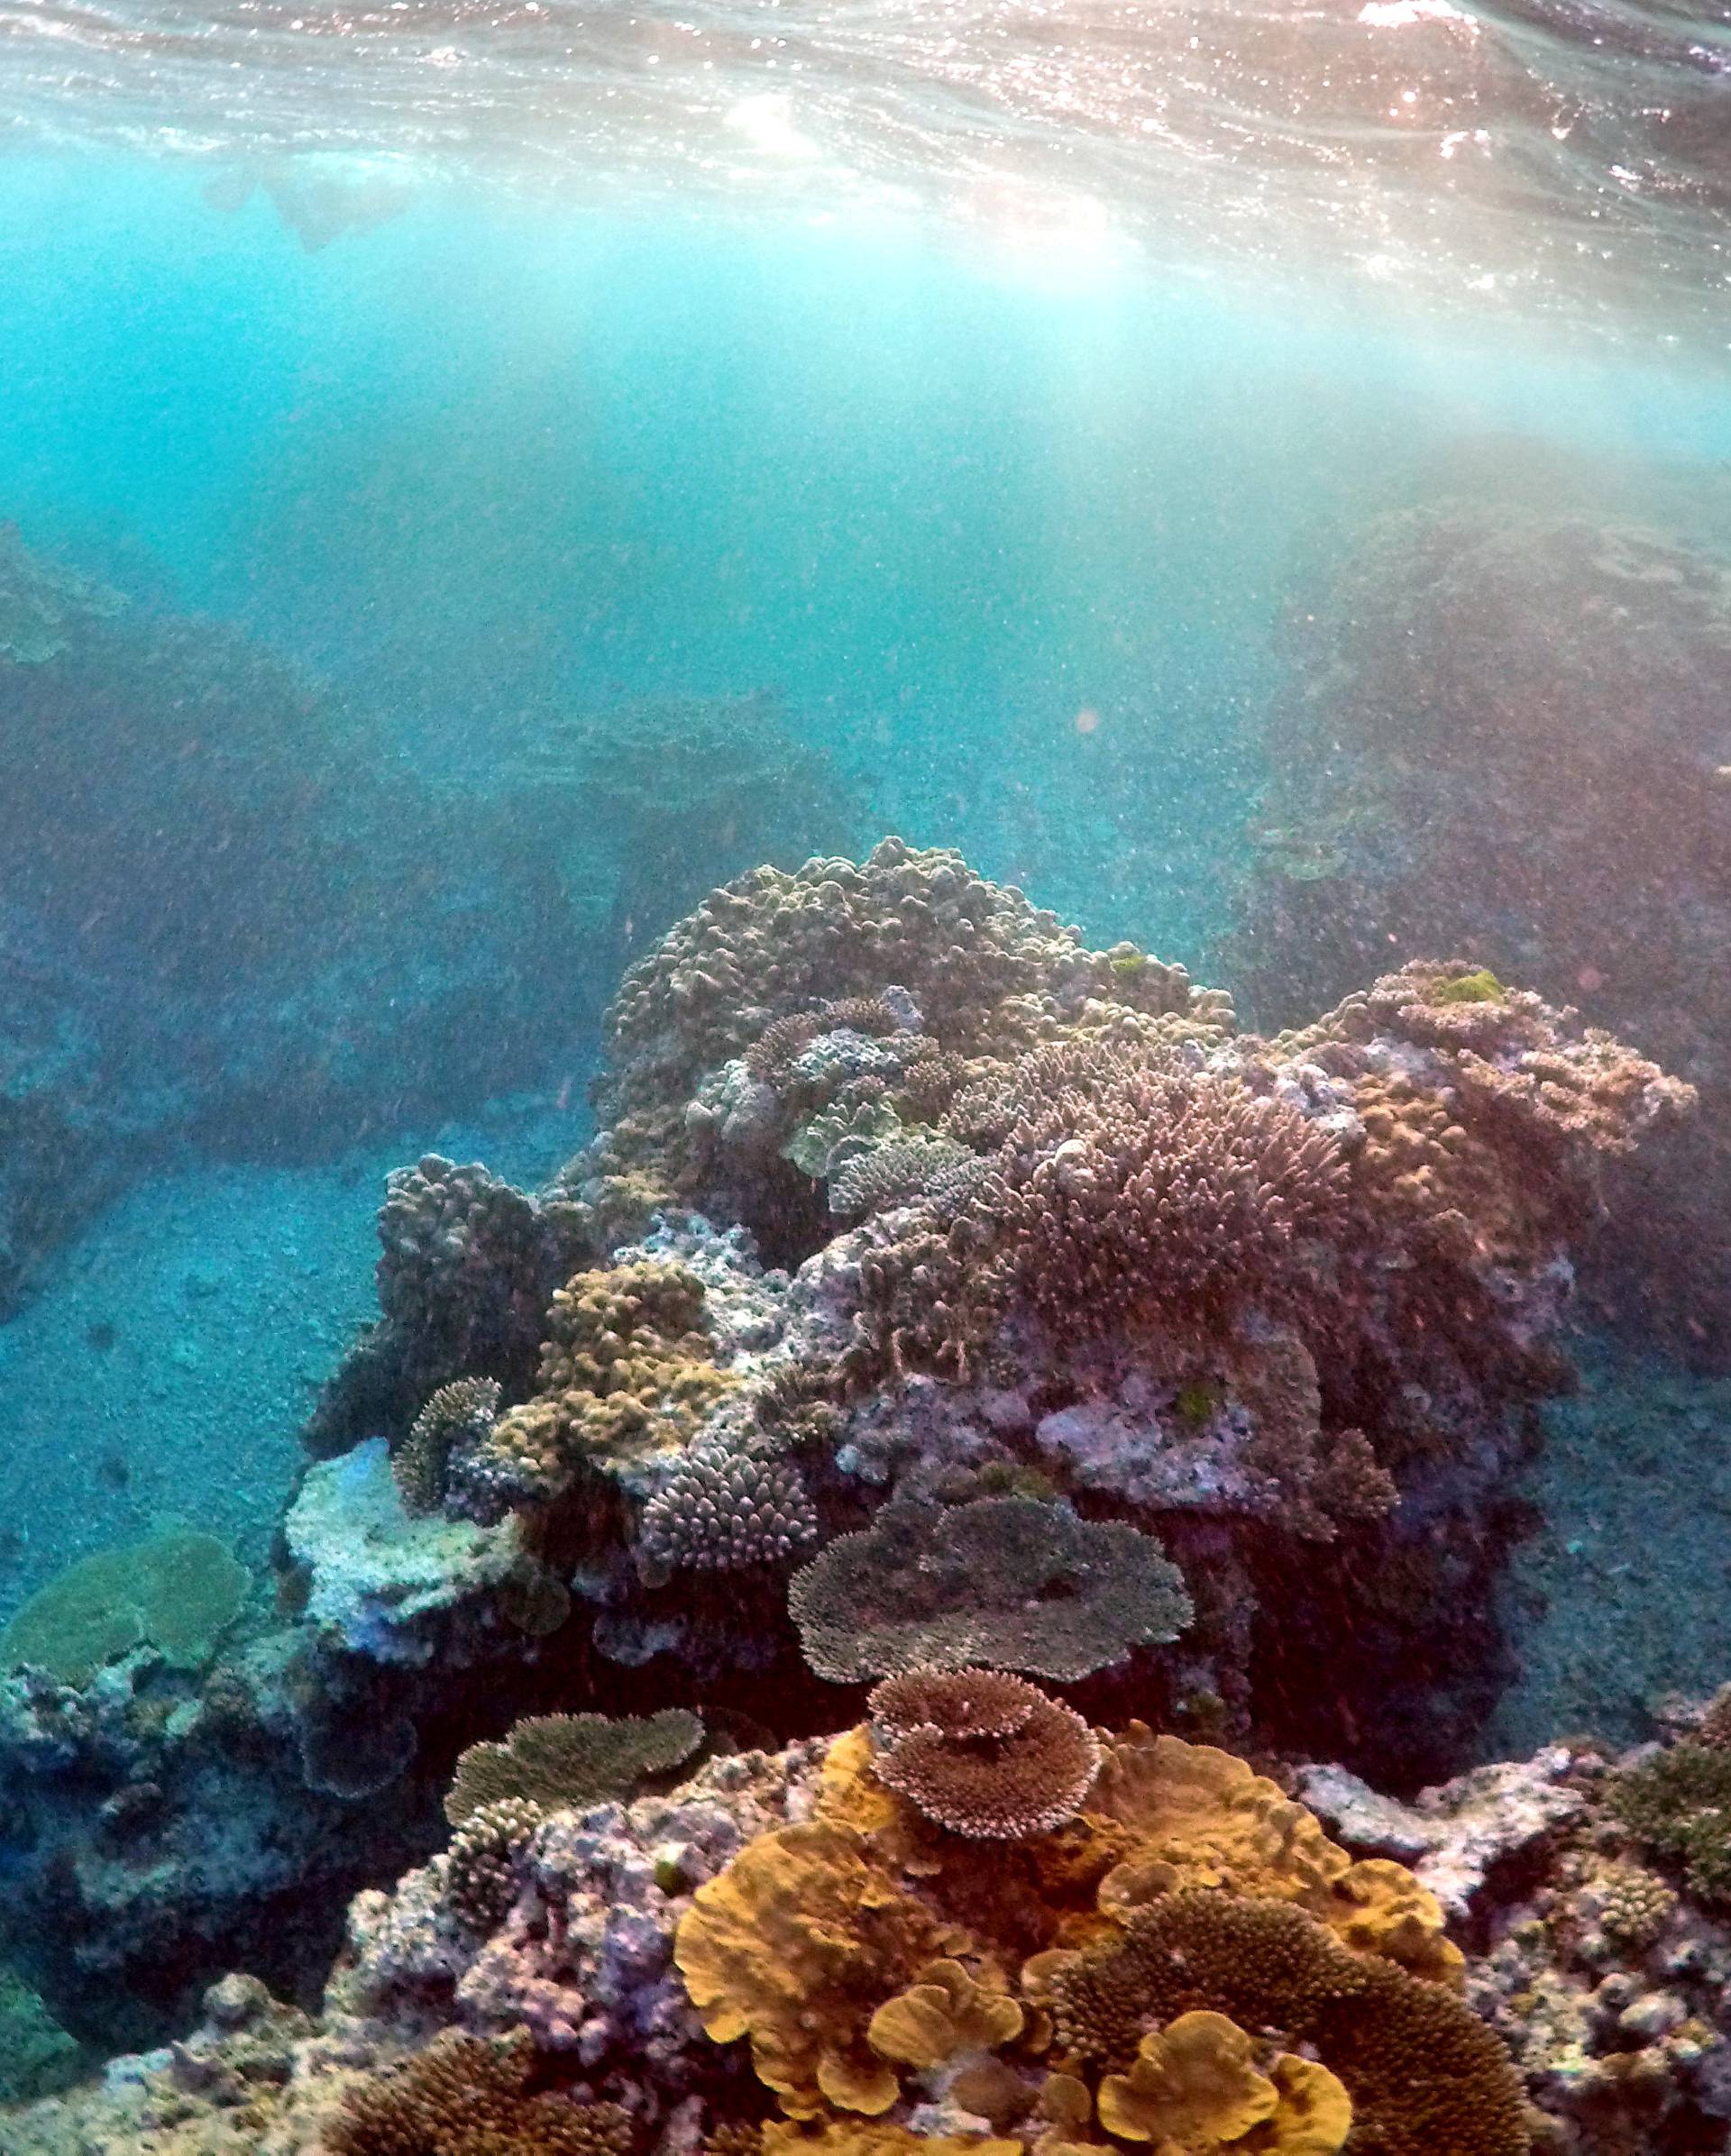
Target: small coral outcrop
461 2097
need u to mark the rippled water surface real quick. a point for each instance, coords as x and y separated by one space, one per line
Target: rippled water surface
1553 153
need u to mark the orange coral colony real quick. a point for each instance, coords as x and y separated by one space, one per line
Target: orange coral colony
1184 1962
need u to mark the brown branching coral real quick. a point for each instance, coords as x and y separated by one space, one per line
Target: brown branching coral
626 1373
458 1418
571 1761
1135 1186
934 1171
464 2097
981 1752
1013 1583
480 1865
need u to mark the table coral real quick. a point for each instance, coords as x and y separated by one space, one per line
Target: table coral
981 1752
176 1591
1011 1582
571 1761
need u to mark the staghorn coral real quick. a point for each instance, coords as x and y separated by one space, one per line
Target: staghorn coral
464 2097
981 1752
626 1374
1013 1583
570 1760
457 1420
723 1510
1131 1185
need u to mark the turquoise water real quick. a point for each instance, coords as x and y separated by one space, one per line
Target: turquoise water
1006 483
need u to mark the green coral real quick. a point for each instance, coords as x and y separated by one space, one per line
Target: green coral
1126 960
176 1591
1196 1403
817 1148
1678 1804
1483 987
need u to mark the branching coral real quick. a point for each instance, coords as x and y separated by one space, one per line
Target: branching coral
457 1420
570 1760
1013 1583
1133 1185
480 1865
722 1509
41 600
468 1269
1678 1803
464 2097
981 1752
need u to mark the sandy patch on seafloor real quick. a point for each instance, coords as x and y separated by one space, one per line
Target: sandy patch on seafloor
167 1368
1625 1594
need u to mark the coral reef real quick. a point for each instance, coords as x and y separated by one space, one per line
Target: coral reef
1145 1331
1502 735
1203 1388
